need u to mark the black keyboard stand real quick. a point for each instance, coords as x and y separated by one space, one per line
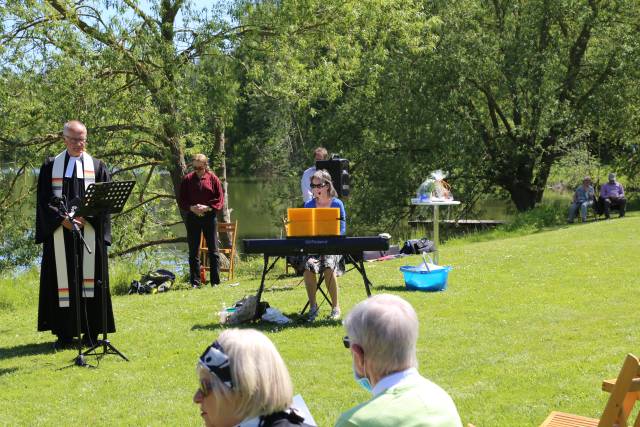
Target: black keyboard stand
355 260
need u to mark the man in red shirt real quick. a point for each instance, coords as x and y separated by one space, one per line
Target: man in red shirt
201 196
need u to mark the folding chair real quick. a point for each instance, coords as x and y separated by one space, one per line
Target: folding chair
625 390
345 260
231 229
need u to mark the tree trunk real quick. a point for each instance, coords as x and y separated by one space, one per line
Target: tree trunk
225 214
523 196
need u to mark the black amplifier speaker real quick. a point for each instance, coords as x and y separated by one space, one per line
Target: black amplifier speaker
339 171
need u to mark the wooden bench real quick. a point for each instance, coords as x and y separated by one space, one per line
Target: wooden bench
625 390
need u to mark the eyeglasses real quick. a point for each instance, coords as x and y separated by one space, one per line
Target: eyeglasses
79 140
205 387
324 184
346 342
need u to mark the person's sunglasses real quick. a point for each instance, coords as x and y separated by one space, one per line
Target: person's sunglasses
205 387
346 342
324 184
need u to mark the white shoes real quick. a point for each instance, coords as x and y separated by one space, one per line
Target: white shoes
313 313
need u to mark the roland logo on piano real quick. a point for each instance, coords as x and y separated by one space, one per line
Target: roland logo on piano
316 241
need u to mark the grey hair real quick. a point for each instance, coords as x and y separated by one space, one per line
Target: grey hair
261 381
386 327
325 176
71 124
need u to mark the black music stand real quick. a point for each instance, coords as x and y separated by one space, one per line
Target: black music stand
101 199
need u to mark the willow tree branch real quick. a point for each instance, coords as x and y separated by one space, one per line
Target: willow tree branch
18 174
144 202
139 165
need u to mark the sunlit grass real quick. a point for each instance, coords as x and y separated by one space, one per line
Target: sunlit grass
529 323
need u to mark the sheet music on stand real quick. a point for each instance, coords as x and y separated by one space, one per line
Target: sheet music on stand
105 198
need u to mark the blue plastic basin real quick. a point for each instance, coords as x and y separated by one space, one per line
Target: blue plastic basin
419 279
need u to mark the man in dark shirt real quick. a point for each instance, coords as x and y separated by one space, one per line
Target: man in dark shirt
201 196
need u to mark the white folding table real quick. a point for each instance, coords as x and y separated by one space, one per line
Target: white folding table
436 219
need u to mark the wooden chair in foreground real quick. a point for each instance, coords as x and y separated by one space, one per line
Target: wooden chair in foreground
229 228
625 390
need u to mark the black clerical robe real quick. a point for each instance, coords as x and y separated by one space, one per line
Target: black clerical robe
51 317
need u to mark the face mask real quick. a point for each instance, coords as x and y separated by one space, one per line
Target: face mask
363 381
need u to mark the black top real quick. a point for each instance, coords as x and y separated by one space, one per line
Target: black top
282 419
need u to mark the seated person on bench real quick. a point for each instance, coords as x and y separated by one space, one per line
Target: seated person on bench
582 199
612 196
324 196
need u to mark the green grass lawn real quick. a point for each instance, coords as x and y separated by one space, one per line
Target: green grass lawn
528 324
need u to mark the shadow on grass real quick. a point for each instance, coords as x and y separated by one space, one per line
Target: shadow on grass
396 288
5 371
26 350
279 289
297 321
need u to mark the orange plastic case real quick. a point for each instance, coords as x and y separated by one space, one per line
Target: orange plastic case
305 222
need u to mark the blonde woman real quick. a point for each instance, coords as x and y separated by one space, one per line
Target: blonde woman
324 196
244 381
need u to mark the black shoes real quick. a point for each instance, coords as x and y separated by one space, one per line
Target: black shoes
63 343
215 279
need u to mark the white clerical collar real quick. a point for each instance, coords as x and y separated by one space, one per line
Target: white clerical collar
74 162
392 380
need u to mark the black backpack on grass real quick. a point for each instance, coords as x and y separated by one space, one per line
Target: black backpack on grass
154 281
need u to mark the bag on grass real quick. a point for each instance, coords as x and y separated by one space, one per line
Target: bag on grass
159 277
153 282
417 246
245 310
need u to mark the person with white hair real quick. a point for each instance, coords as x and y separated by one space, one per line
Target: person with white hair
612 196
382 336
66 287
244 381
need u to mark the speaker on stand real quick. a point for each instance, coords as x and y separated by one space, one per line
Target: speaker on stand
339 170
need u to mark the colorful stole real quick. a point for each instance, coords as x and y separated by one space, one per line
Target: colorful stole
88 259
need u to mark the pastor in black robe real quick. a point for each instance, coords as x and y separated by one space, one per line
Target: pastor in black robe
51 317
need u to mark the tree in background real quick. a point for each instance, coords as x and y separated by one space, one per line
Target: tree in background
132 76
532 79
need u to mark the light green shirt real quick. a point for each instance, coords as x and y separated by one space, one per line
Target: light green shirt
413 402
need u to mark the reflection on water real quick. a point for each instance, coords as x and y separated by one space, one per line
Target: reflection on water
255 207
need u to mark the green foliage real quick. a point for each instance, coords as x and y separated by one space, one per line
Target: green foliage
495 93
19 290
574 166
141 85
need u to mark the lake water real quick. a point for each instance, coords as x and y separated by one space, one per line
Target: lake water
259 206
